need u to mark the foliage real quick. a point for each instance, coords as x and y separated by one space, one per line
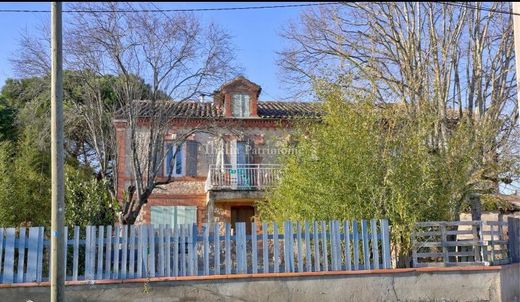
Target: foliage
367 161
25 183
87 201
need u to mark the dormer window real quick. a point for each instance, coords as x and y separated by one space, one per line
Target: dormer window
240 105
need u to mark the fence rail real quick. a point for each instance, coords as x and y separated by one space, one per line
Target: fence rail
450 243
125 252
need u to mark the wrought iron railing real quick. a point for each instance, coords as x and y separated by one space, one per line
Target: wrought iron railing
242 177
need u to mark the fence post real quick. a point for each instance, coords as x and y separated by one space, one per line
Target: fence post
513 227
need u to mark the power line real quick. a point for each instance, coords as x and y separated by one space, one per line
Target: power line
491 10
172 10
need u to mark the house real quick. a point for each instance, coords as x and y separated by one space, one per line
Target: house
219 175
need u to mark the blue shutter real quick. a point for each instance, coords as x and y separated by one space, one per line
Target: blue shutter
169 157
179 169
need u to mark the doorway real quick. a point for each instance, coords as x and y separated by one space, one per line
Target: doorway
242 214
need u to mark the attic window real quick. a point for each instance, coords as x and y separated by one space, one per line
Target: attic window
240 105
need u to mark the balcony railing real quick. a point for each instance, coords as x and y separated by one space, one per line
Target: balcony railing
242 177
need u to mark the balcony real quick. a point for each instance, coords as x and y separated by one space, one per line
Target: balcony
247 177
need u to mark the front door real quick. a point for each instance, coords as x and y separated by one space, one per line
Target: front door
242 214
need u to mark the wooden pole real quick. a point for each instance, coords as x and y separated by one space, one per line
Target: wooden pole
57 213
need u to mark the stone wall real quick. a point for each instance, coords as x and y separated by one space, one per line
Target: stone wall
494 284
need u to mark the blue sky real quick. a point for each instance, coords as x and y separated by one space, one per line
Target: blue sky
255 35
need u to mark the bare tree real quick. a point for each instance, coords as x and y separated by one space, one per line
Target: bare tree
176 55
453 60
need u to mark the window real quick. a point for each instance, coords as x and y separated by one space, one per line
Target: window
178 162
240 105
173 215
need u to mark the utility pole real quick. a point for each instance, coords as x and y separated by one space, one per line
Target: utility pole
57 270
516 35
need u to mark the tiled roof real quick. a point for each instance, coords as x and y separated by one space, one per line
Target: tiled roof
195 109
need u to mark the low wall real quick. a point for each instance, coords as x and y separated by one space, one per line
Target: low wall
498 283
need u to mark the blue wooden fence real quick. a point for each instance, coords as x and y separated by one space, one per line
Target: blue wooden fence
138 251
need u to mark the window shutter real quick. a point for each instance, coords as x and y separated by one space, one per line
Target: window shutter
179 169
236 105
245 105
168 160
191 158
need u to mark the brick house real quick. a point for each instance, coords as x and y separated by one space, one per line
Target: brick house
218 176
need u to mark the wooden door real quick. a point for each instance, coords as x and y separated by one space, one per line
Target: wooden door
242 214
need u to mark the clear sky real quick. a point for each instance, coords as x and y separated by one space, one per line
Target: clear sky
255 35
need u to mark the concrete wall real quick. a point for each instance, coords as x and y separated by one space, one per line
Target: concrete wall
438 284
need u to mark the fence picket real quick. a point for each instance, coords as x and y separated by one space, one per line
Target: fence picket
99 271
39 266
160 261
324 246
108 253
190 249
9 255
182 249
139 260
88 246
115 249
216 240
176 264
21 254
265 247
287 245
206 248
299 246
385 242
241 247
254 248
65 250
150 259
308 260
355 241
375 248
364 238
32 253
167 247
290 252
333 249
337 234
131 256
276 244
346 231
75 253
316 242
194 255
228 248
124 249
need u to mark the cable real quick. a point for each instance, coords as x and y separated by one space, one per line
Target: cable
172 10
457 4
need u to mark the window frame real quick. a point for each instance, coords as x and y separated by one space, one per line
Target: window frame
245 104
173 209
183 159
